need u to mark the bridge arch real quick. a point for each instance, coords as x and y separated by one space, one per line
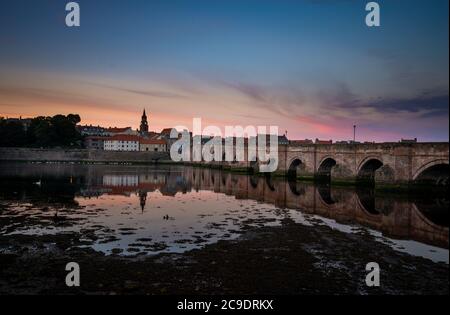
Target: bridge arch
368 167
296 165
435 172
325 167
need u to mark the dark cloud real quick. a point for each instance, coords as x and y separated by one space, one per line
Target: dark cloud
435 105
431 104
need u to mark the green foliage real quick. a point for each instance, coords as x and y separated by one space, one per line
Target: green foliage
56 131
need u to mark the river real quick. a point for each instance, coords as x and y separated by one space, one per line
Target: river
136 212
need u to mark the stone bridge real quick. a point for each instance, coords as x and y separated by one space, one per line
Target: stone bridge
389 163
382 163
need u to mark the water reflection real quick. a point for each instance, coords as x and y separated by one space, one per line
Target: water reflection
147 209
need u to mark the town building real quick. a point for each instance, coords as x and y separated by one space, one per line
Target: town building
301 142
165 135
122 143
153 145
126 139
283 140
89 130
409 140
94 142
166 132
95 136
25 122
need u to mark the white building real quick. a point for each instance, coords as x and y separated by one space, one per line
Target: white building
153 145
122 143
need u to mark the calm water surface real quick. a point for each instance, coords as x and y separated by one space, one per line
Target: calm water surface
131 210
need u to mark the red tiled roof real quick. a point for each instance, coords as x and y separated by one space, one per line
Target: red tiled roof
166 131
152 141
117 130
123 138
153 136
324 141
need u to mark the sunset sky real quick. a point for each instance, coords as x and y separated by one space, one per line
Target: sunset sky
311 67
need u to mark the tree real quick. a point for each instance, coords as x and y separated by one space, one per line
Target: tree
12 133
39 132
63 130
58 130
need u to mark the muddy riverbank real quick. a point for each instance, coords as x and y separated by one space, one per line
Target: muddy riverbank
288 259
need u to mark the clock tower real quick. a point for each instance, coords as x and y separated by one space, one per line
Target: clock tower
144 124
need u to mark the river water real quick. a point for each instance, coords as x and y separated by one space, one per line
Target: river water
143 210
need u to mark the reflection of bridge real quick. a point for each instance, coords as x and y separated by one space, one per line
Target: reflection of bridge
384 162
393 217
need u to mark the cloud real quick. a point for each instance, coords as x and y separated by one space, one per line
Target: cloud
152 93
424 104
427 102
328 111
254 92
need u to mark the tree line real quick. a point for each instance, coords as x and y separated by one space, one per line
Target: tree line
46 132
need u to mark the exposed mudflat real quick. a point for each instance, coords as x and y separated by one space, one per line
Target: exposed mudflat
287 259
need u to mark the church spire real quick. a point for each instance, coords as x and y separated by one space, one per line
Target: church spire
144 124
